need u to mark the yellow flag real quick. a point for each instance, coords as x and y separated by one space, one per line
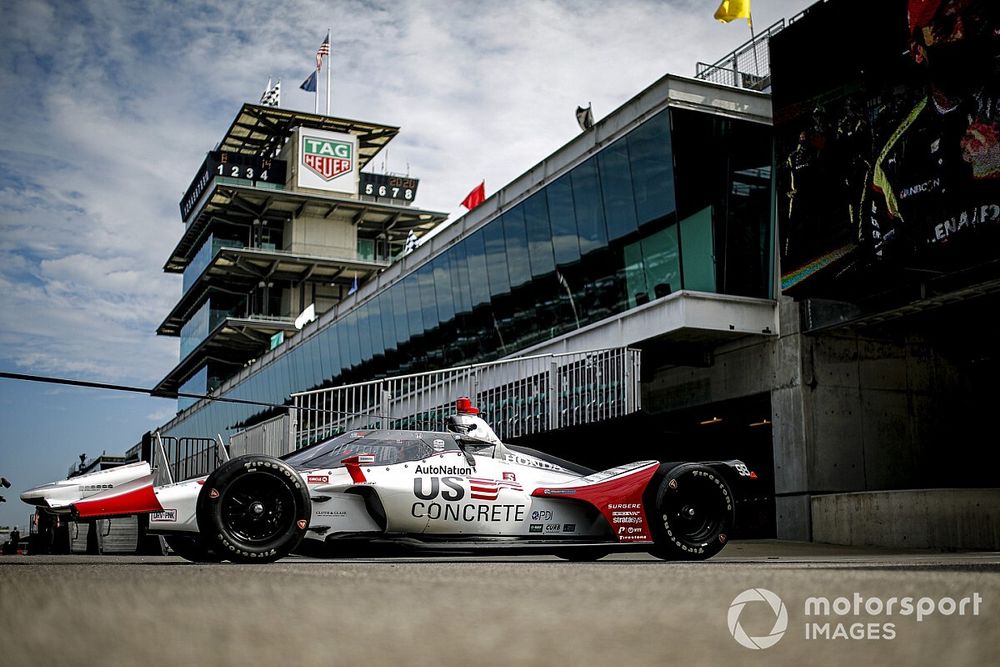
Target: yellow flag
733 9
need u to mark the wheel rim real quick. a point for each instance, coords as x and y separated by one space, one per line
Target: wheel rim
696 509
257 508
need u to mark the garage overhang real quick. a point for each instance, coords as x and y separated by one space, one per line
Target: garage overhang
683 318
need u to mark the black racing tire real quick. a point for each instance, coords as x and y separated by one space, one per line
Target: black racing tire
253 509
582 554
692 513
191 548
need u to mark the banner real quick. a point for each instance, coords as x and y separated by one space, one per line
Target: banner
327 161
887 140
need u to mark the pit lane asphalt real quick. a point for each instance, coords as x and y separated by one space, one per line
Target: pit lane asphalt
623 610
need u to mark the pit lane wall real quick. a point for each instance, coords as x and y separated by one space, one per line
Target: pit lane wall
870 409
917 518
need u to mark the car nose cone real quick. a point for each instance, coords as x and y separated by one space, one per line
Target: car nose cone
37 496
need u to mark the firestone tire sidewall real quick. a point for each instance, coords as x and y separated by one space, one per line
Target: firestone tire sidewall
218 537
672 543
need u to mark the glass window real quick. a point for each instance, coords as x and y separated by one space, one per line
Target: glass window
388 321
283 375
496 259
428 300
661 259
332 351
460 278
517 247
697 245
313 366
256 386
271 384
562 218
652 168
635 277
364 314
725 165
616 190
536 222
398 295
413 309
442 288
307 356
374 328
320 360
353 339
479 287
297 368
590 225
196 329
344 345
193 385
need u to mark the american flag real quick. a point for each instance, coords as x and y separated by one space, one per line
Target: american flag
323 50
489 489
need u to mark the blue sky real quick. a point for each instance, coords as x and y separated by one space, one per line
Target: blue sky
109 107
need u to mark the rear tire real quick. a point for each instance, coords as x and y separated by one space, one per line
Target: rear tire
253 509
692 513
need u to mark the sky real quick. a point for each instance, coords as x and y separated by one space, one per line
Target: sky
109 106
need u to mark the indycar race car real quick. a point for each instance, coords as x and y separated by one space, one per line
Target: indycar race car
382 491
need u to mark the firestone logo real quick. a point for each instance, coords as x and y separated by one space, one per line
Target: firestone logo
780 618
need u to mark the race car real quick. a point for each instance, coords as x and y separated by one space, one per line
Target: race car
393 491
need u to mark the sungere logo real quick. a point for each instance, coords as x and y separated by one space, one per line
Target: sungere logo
757 595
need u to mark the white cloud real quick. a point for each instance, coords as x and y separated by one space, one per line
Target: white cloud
114 105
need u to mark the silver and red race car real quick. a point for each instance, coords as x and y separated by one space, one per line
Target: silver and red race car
371 492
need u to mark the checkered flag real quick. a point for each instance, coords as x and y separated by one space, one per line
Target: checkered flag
272 96
411 242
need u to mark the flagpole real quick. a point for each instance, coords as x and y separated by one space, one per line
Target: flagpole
329 61
753 41
316 95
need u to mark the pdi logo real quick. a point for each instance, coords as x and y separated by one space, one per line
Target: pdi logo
780 618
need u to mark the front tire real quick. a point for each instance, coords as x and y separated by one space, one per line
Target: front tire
253 509
692 513
191 548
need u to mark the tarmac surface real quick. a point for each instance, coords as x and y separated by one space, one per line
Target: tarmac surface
622 610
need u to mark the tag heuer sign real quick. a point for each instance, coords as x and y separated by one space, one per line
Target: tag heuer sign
327 161
327 158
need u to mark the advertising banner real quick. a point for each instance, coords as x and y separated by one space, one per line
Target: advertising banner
887 126
327 161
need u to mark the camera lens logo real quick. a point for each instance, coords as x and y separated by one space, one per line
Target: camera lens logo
780 618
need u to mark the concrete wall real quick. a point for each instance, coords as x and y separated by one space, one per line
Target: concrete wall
922 518
307 235
852 410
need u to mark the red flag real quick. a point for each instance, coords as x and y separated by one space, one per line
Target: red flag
476 197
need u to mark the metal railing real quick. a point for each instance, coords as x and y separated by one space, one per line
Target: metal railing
518 397
748 66
271 437
178 459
